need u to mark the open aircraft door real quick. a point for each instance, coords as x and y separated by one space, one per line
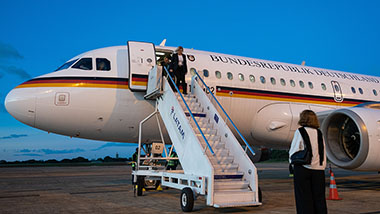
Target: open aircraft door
142 58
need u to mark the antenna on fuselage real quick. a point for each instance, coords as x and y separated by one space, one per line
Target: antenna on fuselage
163 42
303 63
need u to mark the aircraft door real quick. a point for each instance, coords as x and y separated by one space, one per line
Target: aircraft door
338 96
142 57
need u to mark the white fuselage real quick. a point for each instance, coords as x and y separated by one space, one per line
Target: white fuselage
97 104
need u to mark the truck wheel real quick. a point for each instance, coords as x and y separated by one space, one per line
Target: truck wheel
187 199
140 185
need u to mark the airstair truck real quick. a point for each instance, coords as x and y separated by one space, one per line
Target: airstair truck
214 163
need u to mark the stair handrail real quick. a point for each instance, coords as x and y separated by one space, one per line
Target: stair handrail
191 114
227 116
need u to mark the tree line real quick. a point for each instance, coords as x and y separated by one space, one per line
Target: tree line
106 159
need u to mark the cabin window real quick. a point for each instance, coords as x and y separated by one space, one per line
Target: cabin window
292 83
360 90
205 73
323 86
282 81
273 80
241 77
103 64
66 65
302 85
84 64
230 76
337 89
218 74
262 80
311 86
353 90
192 71
374 92
252 78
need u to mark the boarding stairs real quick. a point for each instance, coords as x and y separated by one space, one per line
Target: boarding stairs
207 148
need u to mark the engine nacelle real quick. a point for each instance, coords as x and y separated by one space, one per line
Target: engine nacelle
352 137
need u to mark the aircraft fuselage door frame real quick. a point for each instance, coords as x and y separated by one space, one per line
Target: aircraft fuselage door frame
338 95
142 58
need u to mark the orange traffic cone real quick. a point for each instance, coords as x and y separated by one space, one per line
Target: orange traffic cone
333 190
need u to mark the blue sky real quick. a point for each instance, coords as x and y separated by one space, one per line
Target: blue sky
38 36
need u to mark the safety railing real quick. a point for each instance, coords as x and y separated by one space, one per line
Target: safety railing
191 114
247 146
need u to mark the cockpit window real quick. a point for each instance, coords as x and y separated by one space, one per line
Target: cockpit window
103 64
66 65
84 64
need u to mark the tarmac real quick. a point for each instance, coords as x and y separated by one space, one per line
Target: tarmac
108 189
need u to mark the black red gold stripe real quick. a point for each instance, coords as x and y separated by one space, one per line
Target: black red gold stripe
92 82
283 96
122 83
139 79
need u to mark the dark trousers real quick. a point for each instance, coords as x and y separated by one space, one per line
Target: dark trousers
133 169
180 80
309 189
171 167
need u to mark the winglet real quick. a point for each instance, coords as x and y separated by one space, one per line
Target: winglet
163 42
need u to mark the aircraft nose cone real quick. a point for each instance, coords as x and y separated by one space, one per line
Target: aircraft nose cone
21 104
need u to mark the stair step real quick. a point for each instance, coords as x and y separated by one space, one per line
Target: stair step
202 119
205 125
221 152
233 196
196 114
225 185
208 137
188 99
194 107
229 166
197 109
226 175
186 95
218 170
217 144
192 102
237 204
206 131
221 160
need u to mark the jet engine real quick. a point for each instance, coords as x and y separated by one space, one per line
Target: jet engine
352 137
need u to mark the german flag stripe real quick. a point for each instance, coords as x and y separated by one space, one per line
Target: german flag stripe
139 79
122 83
92 82
283 96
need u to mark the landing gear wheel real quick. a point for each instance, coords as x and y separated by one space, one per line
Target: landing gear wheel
140 185
260 195
187 199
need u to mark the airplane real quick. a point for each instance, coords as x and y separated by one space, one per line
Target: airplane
99 95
